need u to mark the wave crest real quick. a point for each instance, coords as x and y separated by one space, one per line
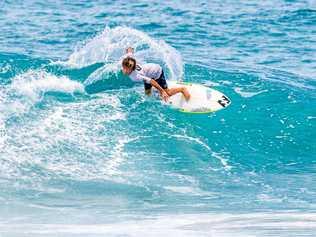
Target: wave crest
109 47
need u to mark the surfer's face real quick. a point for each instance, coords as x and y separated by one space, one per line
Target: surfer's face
127 70
128 65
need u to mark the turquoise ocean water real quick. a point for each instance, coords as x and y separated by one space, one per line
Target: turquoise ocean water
84 153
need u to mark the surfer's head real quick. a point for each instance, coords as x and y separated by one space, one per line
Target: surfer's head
128 65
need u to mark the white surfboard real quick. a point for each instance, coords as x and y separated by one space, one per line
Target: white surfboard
203 99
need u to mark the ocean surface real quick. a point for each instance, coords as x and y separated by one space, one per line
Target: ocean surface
83 152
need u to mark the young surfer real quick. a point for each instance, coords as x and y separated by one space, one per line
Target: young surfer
152 75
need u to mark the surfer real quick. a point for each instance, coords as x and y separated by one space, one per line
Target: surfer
152 75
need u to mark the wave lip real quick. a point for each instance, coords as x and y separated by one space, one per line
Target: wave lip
109 47
34 83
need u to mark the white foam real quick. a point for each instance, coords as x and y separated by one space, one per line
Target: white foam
28 88
73 124
247 94
3 134
82 127
117 157
109 47
34 83
190 190
209 224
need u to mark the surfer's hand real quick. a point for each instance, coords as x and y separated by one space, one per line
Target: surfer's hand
164 96
129 50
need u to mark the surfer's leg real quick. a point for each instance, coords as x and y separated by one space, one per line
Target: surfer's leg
148 92
147 88
163 83
183 90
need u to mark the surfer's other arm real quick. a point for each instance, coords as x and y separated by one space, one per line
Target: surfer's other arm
164 95
129 51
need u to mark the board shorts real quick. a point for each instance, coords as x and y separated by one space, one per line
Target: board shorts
161 81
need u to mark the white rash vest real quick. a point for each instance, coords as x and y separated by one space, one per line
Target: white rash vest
146 72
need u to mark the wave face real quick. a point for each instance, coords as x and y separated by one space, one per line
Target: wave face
84 152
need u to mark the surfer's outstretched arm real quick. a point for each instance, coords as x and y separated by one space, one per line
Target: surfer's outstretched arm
129 50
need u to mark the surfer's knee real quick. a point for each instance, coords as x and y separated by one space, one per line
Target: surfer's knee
168 92
148 91
185 93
